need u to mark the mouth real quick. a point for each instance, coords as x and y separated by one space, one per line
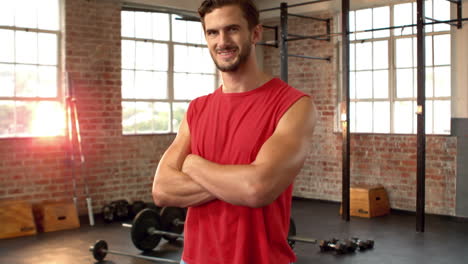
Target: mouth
226 53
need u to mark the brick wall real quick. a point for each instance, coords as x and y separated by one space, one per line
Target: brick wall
389 160
117 167
36 169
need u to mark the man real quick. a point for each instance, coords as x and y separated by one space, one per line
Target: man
238 150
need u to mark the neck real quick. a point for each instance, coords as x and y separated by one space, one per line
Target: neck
248 77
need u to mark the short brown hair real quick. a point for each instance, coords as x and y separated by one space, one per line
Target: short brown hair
248 7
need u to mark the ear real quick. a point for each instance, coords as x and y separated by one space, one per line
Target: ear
257 33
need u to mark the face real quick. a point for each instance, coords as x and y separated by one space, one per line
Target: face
229 38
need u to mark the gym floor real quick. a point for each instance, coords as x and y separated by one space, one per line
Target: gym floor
396 240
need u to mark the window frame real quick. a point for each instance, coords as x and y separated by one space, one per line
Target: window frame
171 100
392 78
59 98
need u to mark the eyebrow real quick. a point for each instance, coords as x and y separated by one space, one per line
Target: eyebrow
228 26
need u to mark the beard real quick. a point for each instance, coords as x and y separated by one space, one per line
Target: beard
238 61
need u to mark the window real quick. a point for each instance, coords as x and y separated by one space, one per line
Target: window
383 64
165 64
30 101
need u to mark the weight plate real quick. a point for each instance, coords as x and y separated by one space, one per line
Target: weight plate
142 223
100 250
168 219
108 213
136 207
292 232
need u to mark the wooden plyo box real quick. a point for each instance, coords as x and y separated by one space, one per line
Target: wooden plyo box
368 201
54 216
16 219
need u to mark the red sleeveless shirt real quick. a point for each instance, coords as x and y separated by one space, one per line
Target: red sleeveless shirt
230 128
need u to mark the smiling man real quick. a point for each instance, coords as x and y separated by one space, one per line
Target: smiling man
238 150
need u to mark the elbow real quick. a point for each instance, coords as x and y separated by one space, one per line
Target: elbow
159 197
258 197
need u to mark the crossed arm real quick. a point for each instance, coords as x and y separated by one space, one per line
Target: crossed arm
184 179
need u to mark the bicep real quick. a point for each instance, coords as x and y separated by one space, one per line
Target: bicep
281 157
179 149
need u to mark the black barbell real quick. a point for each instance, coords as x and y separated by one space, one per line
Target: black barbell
100 249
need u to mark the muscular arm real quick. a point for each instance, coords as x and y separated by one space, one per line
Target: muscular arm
172 187
278 162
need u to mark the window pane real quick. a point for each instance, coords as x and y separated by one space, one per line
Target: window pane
6 13
179 30
161 112
404 17
364 117
380 54
178 110
381 84
144 117
207 64
195 33
24 116
160 82
429 61
128 23
442 117
363 22
364 56
363 84
7 80
161 57
352 25
352 57
48 119
352 116
428 13
47 48
442 84
47 81
26 80
7 45
381 117
429 117
48 14
128 54
128 84
184 88
381 18
143 24
180 56
7 118
144 55
429 81
403 118
404 52
26 13
160 26
404 83
442 49
128 117
352 85
26 47
144 84
441 12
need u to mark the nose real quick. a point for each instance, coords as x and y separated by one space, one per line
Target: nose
224 39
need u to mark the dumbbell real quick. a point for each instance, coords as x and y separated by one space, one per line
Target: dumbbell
147 229
100 250
347 246
292 238
363 244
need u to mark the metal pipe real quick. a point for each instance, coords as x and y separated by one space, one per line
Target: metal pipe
421 113
345 127
284 45
309 57
294 5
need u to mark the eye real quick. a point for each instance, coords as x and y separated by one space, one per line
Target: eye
233 29
211 33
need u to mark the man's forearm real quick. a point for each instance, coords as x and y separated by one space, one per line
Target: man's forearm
174 188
